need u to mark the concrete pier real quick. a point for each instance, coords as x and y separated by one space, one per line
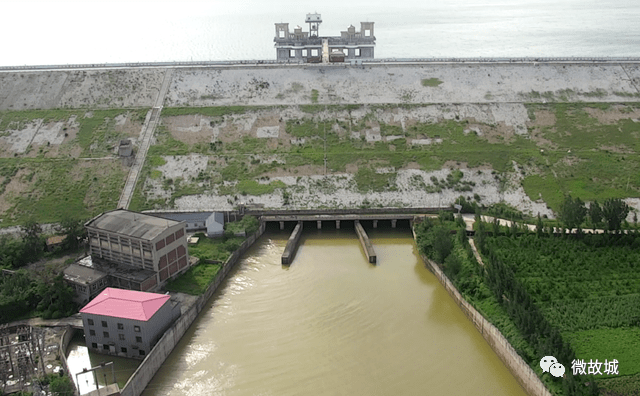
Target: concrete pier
366 243
282 225
337 224
292 245
375 224
319 224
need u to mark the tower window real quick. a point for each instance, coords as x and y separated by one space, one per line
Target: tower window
292 53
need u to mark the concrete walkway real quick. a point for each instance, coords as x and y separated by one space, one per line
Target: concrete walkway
74 320
148 130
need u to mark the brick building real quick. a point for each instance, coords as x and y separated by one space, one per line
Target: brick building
138 250
127 323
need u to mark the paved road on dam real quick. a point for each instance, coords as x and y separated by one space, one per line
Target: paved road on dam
332 323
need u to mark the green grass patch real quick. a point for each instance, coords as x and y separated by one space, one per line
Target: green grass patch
368 180
430 82
252 187
621 343
248 224
314 96
218 249
196 280
216 111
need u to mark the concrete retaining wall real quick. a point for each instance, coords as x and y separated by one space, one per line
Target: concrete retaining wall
525 376
366 243
150 365
67 335
292 245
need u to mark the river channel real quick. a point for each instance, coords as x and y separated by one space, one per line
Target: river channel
333 324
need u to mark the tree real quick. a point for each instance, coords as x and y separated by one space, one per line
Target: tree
74 231
614 211
33 242
572 212
595 214
539 226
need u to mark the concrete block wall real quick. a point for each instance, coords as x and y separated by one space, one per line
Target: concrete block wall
151 364
64 343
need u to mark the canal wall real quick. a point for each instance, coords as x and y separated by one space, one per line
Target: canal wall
523 373
67 335
154 360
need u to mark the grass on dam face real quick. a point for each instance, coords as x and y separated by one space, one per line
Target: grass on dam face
50 180
589 150
430 82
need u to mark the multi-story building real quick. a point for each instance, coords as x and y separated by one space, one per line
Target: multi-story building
87 282
127 323
146 250
299 46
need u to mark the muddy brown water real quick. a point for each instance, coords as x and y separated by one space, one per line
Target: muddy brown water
333 324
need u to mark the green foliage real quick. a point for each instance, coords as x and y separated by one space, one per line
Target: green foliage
314 96
614 211
60 385
218 249
196 280
434 240
217 111
248 224
572 212
430 82
74 232
595 214
368 180
33 240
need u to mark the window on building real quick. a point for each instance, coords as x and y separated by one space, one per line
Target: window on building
281 33
136 329
90 321
92 332
304 53
105 347
94 345
292 53
123 349
121 337
120 326
367 33
104 323
141 352
179 233
160 244
314 52
105 334
138 339
357 51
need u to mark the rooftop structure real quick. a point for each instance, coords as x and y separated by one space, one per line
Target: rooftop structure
126 304
127 323
299 46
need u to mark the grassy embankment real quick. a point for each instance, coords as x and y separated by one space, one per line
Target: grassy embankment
47 182
575 153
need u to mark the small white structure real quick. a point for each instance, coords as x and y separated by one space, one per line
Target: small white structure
215 225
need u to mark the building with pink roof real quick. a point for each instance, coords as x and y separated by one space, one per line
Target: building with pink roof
127 323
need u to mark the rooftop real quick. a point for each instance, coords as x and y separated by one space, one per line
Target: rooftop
132 224
122 271
82 274
126 304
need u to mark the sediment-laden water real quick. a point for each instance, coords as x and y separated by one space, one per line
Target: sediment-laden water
332 323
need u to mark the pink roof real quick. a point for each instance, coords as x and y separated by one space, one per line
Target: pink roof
126 304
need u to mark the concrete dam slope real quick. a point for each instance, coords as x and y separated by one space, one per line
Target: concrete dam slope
322 84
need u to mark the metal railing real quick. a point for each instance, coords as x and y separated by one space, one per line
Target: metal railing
257 62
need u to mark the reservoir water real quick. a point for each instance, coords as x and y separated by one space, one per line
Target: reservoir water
333 324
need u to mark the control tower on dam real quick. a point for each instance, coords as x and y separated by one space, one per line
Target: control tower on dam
310 47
